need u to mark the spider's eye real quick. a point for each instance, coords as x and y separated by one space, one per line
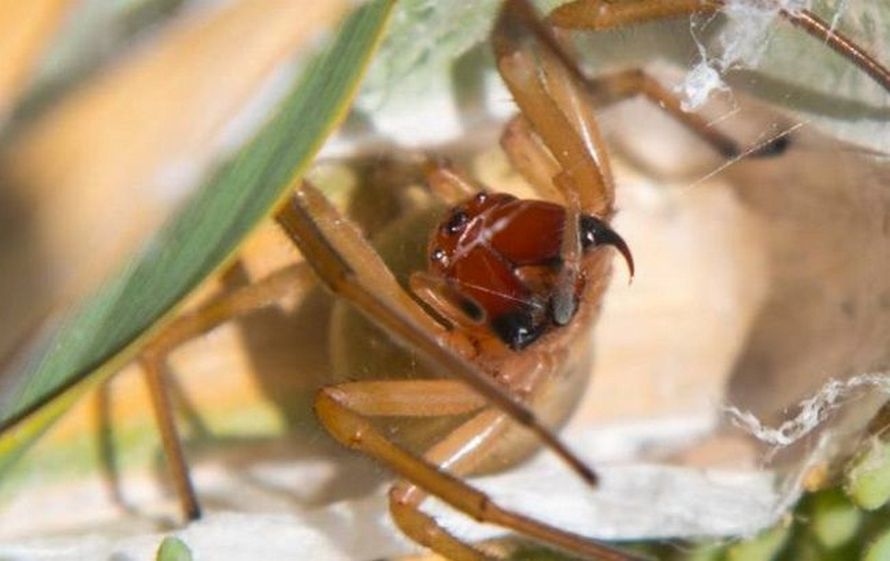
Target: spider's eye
456 223
438 256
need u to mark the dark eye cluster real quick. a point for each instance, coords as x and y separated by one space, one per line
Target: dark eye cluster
456 223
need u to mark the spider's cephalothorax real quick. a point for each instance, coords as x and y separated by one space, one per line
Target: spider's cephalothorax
501 255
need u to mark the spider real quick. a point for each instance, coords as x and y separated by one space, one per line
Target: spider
510 292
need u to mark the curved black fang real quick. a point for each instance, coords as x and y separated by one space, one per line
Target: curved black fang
595 232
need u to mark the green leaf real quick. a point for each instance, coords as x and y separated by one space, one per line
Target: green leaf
106 330
763 547
879 549
174 549
868 477
834 519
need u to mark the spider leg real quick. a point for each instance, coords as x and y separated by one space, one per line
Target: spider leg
401 398
447 183
155 371
596 15
840 43
105 444
606 90
557 108
435 293
240 301
218 310
342 412
415 398
350 268
531 158
458 453
616 87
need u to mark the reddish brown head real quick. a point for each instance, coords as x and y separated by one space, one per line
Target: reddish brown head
502 255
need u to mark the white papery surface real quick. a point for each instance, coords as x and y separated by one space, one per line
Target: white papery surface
634 500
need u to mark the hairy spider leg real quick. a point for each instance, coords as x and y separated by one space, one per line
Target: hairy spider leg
448 184
596 15
265 292
531 158
612 88
577 163
344 410
154 368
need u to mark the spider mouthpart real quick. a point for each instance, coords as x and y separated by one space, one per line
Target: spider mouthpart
563 308
595 232
517 329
